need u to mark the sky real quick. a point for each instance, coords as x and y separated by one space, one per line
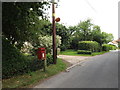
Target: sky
102 12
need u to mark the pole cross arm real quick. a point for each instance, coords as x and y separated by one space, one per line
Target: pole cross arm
54 1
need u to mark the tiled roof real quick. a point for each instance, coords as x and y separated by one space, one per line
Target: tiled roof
116 41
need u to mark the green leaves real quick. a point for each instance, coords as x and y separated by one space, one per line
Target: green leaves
84 52
15 63
20 24
86 31
65 34
89 45
46 41
107 47
84 28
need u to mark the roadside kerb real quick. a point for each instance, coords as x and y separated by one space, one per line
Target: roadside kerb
77 64
73 60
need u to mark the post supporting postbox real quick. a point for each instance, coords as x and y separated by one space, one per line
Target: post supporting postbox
44 67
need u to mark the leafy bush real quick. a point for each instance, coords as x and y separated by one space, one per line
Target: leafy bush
74 43
46 41
89 45
84 52
114 47
49 59
27 47
63 47
15 63
12 60
107 47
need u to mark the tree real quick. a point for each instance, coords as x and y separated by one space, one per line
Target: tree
81 32
97 34
107 37
62 31
85 29
20 21
45 27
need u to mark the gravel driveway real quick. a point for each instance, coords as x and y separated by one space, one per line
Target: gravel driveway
73 59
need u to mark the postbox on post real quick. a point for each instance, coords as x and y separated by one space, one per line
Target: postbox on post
41 53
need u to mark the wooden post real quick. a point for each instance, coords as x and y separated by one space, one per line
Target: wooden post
44 67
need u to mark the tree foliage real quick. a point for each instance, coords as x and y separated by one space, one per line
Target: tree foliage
63 31
20 21
85 30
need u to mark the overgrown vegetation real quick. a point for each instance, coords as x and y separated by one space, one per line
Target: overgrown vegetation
15 63
20 21
23 81
26 27
22 34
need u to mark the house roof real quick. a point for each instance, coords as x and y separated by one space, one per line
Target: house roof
116 41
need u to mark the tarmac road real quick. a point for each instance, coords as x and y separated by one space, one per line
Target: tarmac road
98 72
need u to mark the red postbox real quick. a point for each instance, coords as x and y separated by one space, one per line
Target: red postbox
41 53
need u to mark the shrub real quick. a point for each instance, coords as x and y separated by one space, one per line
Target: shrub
107 47
12 60
114 47
49 59
84 52
89 45
63 47
27 47
74 43
15 63
46 41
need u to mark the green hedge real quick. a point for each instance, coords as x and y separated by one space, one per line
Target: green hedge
15 63
89 45
84 52
107 47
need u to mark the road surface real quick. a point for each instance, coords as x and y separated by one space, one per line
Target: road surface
98 72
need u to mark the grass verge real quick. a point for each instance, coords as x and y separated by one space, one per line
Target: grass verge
74 53
30 79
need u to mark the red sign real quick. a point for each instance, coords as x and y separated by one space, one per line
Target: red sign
41 53
57 19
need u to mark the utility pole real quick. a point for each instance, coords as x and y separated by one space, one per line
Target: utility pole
54 34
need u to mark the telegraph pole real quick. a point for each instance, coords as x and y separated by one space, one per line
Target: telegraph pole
54 34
